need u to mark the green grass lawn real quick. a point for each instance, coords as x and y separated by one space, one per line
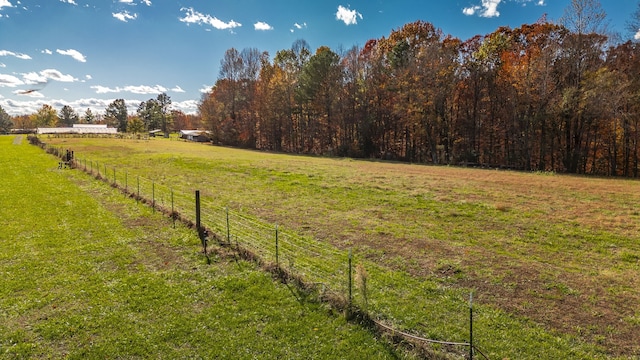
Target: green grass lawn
552 260
89 273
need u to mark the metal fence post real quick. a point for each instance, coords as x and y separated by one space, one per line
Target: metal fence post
471 326
198 225
228 228
173 212
153 196
350 279
277 260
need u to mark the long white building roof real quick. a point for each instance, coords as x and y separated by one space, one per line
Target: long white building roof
79 129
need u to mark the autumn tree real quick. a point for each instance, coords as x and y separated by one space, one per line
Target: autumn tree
23 122
543 96
135 125
46 116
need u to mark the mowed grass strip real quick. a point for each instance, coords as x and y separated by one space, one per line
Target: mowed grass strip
561 251
87 273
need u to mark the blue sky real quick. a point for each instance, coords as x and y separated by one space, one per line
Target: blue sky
86 53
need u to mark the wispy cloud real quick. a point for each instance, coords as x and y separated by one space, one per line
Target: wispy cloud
125 16
47 51
75 54
348 16
18 55
132 2
72 2
297 26
262 26
139 89
194 17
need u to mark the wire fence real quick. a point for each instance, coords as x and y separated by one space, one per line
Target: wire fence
315 266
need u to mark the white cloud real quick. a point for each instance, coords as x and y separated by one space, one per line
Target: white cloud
194 17
7 80
147 2
637 35
97 106
125 16
33 78
140 89
205 89
348 16
2 65
46 51
187 106
470 11
488 9
298 27
18 55
75 54
46 75
130 2
263 26
178 89
72 2
5 3
88 77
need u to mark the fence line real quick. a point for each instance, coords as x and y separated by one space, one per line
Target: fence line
319 264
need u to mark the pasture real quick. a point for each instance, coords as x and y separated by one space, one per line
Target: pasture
552 260
90 274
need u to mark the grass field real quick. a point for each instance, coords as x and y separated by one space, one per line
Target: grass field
552 260
89 273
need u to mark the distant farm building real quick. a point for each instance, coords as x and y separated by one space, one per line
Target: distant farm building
195 135
156 132
79 129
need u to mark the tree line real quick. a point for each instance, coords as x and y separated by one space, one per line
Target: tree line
152 114
541 97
